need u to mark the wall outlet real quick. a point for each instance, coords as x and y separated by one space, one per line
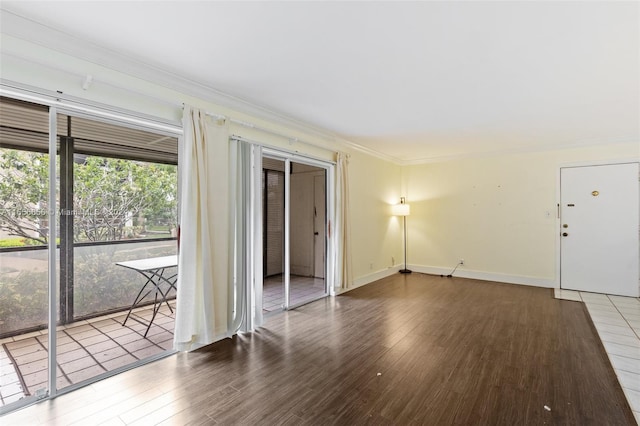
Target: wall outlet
393 261
461 261
371 265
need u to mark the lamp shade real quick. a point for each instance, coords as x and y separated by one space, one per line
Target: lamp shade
402 209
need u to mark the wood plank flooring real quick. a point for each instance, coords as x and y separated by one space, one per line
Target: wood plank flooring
406 350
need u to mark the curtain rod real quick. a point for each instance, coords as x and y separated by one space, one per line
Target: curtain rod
249 125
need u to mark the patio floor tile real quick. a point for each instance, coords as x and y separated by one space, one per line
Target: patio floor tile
67 347
21 348
11 389
87 373
35 378
85 334
110 354
102 346
161 337
78 364
93 340
84 349
112 364
111 327
34 366
31 356
136 345
127 338
120 331
147 352
72 355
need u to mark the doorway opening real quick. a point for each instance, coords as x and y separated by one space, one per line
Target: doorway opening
294 213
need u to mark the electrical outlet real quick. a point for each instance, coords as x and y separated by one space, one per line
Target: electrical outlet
371 265
393 261
462 261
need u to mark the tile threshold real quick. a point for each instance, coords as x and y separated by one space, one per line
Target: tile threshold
602 308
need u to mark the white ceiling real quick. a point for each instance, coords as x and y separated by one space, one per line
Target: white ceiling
411 80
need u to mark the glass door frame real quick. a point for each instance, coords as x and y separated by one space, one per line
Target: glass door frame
116 116
329 167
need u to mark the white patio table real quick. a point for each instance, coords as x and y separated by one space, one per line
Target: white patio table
153 269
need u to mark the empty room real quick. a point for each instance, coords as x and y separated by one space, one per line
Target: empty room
320 212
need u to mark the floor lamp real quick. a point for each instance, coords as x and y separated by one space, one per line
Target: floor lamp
403 209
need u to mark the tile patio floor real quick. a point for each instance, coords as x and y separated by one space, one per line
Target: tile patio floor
85 349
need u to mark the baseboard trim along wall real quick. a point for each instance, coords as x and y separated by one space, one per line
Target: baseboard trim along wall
461 273
366 279
487 276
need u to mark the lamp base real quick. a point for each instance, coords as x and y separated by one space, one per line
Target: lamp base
405 271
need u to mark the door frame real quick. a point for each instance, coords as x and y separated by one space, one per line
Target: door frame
557 230
329 167
77 107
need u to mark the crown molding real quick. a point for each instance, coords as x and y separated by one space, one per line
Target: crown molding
361 148
48 37
522 150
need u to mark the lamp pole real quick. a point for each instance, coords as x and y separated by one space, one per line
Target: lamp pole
404 223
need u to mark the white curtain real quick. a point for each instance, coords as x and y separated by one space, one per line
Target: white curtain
202 286
344 270
246 190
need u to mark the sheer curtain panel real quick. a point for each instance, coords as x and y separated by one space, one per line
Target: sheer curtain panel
344 270
246 185
203 271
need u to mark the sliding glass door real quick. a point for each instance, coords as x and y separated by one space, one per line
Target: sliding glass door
294 230
115 201
24 260
273 183
307 236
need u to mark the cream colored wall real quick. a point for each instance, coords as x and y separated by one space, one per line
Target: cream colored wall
496 213
374 186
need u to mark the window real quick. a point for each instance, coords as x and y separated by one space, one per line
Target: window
116 200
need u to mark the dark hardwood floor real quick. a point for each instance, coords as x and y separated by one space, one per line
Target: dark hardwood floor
409 349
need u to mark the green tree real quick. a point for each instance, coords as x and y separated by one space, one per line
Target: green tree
24 179
110 195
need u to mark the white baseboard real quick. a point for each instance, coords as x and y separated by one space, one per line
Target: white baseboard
367 279
461 273
487 276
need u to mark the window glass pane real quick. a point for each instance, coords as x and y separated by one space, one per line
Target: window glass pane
122 199
24 192
116 202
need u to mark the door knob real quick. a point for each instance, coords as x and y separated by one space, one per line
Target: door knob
565 225
565 234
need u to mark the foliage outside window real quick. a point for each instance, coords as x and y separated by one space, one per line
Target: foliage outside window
114 199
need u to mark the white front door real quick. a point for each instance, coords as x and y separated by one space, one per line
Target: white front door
599 248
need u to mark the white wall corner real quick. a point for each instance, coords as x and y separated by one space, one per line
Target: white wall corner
368 279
